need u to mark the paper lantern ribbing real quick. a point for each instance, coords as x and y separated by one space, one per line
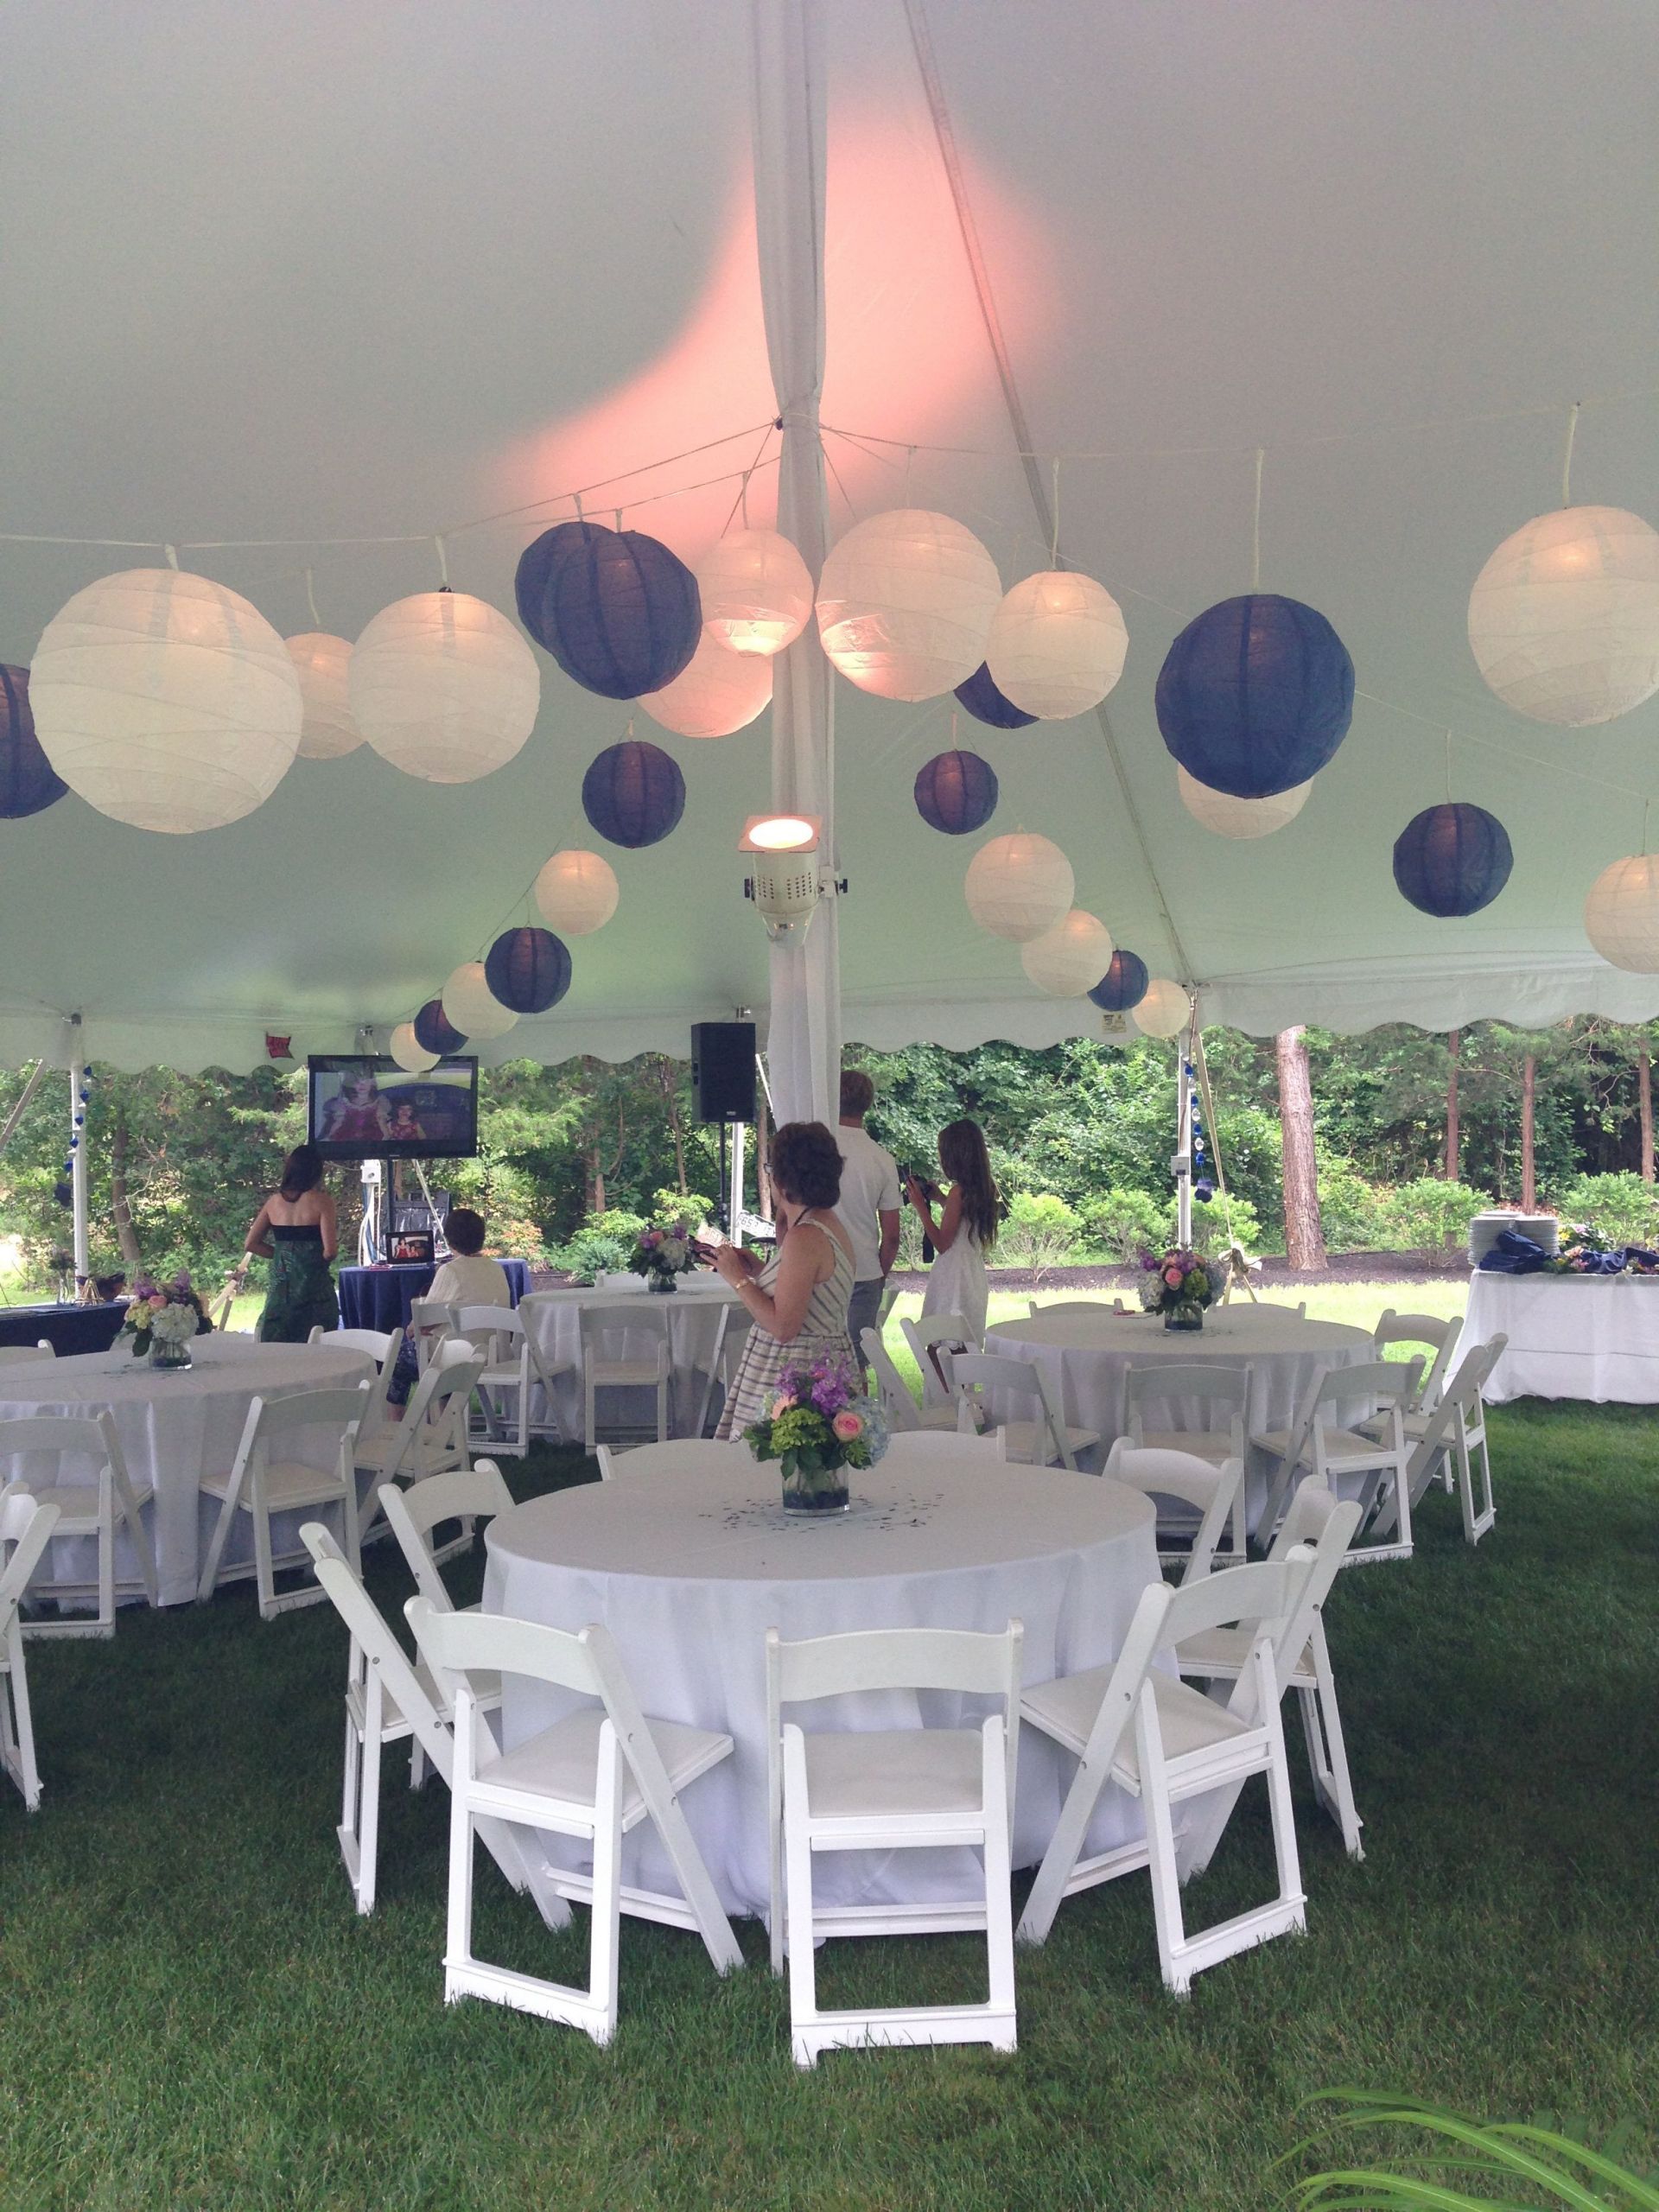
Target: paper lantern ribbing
1452 859
577 891
956 793
1066 960
1256 695
323 666
408 1051
527 970
1162 1010
1019 886
1057 645
1227 816
443 687
27 782
716 692
634 793
619 612
536 564
472 1007
1564 618
905 602
166 701
756 592
1124 984
436 1033
982 699
1621 915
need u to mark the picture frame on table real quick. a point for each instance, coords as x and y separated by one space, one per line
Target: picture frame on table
411 1248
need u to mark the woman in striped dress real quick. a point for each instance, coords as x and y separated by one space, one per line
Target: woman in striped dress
797 1301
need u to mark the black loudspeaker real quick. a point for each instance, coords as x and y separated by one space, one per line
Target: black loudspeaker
723 1070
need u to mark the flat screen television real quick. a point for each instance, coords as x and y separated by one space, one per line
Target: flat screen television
366 1109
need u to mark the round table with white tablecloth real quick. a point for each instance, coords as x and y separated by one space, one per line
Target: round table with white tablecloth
688 1571
174 1426
692 1311
1085 1357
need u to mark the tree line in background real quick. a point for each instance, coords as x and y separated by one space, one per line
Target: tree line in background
1387 1140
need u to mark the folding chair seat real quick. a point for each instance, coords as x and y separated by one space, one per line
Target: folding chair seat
94 1496
934 1340
1166 1742
1036 1441
1454 1434
886 1789
677 1455
1209 1491
903 1416
1375 1463
594 1775
264 1480
625 1346
731 1333
1198 1394
512 1366
15 1355
26 1528
913 1446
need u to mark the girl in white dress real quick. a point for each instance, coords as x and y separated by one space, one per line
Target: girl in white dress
965 1229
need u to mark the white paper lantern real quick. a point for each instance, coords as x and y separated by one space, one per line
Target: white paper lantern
1164 1012
409 1052
165 700
1564 619
472 1006
1621 915
1240 817
716 692
1071 958
756 592
444 687
577 891
1019 886
1057 645
905 602
323 666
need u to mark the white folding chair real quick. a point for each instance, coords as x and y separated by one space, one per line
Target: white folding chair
1441 1337
910 1445
15 1355
916 1788
625 1346
933 1340
897 1401
1037 1441
89 1503
512 1366
374 1344
731 1333
1454 1433
1131 1724
1375 1462
432 1437
1035 1306
1211 1491
677 1455
1195 1395
468 1495
594 1775
431 1323
263 1482
25 1528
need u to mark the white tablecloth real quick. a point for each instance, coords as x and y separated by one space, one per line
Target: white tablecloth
688 1572
693 1311
1085 1357
1594 1337
174 1427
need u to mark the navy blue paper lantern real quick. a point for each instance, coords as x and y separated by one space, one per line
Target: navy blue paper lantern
956 793
634 793
1124 983
528 969
986 703
27 782
434 1032
1256 695
617 610
536 564
1452 860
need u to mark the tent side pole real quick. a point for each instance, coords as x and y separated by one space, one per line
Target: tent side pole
77 1150
1183 1162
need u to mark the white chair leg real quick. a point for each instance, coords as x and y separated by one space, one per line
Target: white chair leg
19 1722
606 1935
1328 1753
797 1905
458 1960
106 1553
368 1796
216 1549
999 1891
1160 1853
263 1573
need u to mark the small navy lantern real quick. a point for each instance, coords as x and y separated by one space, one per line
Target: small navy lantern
28 780
634 793
528 969
1452 860
1123 985
617 610
434 1032
986 703
956 793
1256 695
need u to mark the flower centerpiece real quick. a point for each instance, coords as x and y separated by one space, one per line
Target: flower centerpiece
817 1425
1178 1286
661 1254
162 1317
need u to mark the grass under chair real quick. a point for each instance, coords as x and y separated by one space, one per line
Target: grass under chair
194 2017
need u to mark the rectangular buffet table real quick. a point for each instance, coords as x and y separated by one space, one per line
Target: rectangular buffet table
1591 1336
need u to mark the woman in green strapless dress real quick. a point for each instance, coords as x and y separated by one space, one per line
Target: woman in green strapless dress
297 1230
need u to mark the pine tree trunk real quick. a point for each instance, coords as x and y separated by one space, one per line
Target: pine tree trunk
763 1159
1528 1178
126 1235
1453 1130
1644 1106
1304 1238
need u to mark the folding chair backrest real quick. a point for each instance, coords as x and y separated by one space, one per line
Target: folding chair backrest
1391 1381
479 1494
619 1327
1075 1306
1174 1383
1305 1517
1321 1550
933 1342
679 1455
431 1323
375 1343
1429 1329
85 1436
897 1402
278 1417
25 1528
499 1327
976 1371
372 1636
460 1644
905 1447
1462 1392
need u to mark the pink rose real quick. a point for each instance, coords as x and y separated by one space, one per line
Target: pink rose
847 1425
1173 1277
157 1304
782 1404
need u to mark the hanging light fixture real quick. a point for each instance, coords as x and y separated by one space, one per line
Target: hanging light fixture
905 604
1564 618
783 882
1163 1009
408 1051
323 664
527 970
1621 915
618 610
1256 695
471 1006
986 703
1123 986
716 693
1452 859
28 783
956 793
634 793
435 1033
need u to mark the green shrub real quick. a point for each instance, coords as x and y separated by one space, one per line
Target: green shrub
1210 1224
1623 1207
601 1245
1428 1215
681 1206
1124 1223
1350 1208
1041 1232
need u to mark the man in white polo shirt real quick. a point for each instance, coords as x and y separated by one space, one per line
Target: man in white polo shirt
868 1207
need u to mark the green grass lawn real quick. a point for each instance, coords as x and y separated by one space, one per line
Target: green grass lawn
194 2017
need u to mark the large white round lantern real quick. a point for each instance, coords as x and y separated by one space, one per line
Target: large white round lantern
577 891
1057 645
474 1008
1071 958
716 692
756 592
1621 915
905 602
1019 886
165 701
444 687
323 666
1163 1011
1228 817
1564 619
409 1052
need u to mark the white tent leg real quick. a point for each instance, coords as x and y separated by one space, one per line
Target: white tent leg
1183 1160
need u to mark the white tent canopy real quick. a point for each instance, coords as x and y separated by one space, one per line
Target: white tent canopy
322 274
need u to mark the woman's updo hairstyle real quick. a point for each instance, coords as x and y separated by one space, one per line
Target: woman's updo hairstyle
806 1164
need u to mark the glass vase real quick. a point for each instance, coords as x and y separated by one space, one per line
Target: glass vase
809 1487
1187 1316
168 1355
662 1283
